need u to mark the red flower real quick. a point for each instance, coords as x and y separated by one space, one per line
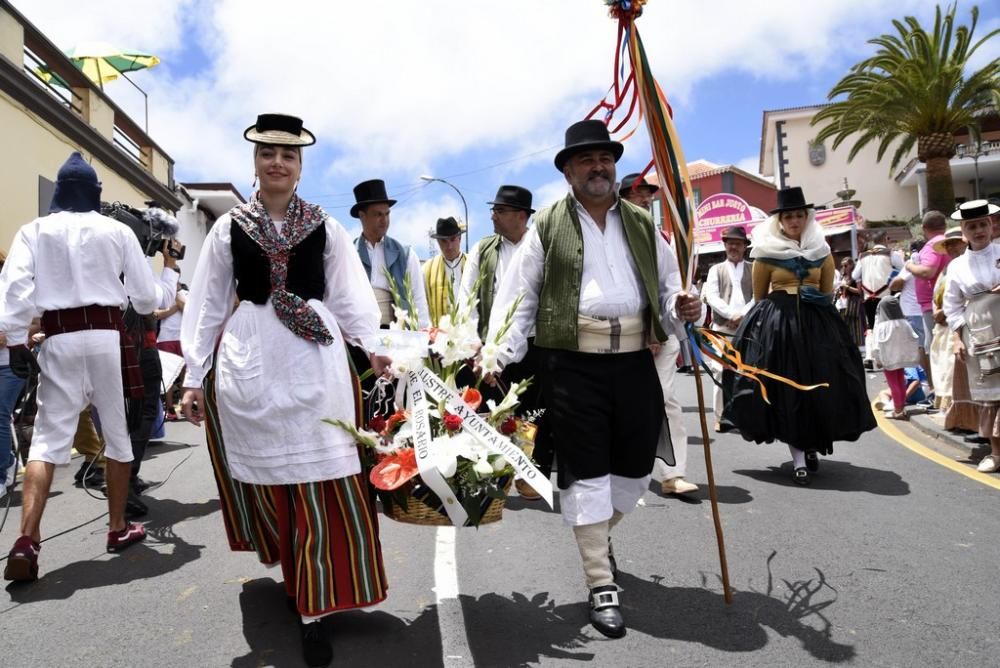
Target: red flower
472 398
396 419
377 423
452 422
508 426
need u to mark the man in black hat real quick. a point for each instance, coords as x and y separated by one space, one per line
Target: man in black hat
443 272
488 262
638 191
381 254
729 293
598 283
67 266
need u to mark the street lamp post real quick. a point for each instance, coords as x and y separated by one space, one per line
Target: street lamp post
431 179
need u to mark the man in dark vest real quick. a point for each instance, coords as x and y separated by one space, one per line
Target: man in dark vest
381 254
488 262
729 293
598 284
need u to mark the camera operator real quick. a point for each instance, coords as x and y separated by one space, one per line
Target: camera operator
68 267
142 329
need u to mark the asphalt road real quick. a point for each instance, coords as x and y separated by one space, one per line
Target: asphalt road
888 559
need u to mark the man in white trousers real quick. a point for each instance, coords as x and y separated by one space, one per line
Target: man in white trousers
67 266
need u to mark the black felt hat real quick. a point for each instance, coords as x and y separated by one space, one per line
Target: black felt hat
279 130
446 228
633 180
587 136
515 197
736 233
791 199
370 192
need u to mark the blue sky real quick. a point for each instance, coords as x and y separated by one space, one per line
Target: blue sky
452 88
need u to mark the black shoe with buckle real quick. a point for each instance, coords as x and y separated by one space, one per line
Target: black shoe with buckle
812 461
316 649
801 476
605 611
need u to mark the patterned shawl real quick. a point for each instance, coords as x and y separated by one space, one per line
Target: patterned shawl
301 219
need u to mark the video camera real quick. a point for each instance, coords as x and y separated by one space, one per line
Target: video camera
151 226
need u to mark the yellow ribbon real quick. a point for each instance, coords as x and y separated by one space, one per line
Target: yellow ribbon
723 352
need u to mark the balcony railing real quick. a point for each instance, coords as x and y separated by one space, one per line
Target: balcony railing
56 86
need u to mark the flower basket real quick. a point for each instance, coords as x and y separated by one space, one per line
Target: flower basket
423 507
434 460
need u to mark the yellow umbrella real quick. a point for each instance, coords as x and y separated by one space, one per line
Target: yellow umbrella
102 62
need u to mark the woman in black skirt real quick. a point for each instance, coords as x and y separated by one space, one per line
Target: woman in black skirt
794 331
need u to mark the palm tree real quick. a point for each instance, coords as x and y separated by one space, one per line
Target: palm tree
916 90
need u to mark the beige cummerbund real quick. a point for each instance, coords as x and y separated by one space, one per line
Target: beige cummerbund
626 334
384 299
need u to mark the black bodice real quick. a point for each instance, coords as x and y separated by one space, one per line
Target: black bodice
252 268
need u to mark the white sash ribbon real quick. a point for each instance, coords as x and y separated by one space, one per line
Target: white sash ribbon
479 428
422 439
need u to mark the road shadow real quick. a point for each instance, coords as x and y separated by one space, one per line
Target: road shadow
836 476
516 503
723 493
360 638
148 559
157 448
15 500
701 615
518 631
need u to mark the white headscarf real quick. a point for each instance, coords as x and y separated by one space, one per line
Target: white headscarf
767 240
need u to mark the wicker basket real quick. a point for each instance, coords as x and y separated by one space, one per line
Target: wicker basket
424 507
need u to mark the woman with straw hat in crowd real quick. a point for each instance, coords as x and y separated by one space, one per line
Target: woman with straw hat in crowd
291 486
951 382
795 331
972 307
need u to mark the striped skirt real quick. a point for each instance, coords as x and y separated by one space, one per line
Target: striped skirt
324 534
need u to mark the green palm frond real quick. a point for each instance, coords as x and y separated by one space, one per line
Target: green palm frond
916 84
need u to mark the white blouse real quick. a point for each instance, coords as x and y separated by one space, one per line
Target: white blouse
969 274
610 283
212 296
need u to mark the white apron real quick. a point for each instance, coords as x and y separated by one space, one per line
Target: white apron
273 390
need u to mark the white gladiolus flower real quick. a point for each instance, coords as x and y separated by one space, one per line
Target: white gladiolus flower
483 468
508 403
499 464
488 361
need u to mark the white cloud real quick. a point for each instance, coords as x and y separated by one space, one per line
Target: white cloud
395 88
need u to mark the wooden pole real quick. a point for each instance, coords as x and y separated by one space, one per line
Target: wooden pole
726 590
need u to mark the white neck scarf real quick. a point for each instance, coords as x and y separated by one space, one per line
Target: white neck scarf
767 240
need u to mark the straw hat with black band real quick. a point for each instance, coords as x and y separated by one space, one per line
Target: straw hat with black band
279 130
977 208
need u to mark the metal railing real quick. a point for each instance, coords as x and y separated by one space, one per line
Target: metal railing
40 72
128 146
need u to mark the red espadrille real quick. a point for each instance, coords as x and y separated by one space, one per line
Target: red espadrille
22 562
130 535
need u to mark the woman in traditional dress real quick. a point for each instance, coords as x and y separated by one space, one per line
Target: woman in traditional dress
272 367
975 276
850 295
951 382
794 331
